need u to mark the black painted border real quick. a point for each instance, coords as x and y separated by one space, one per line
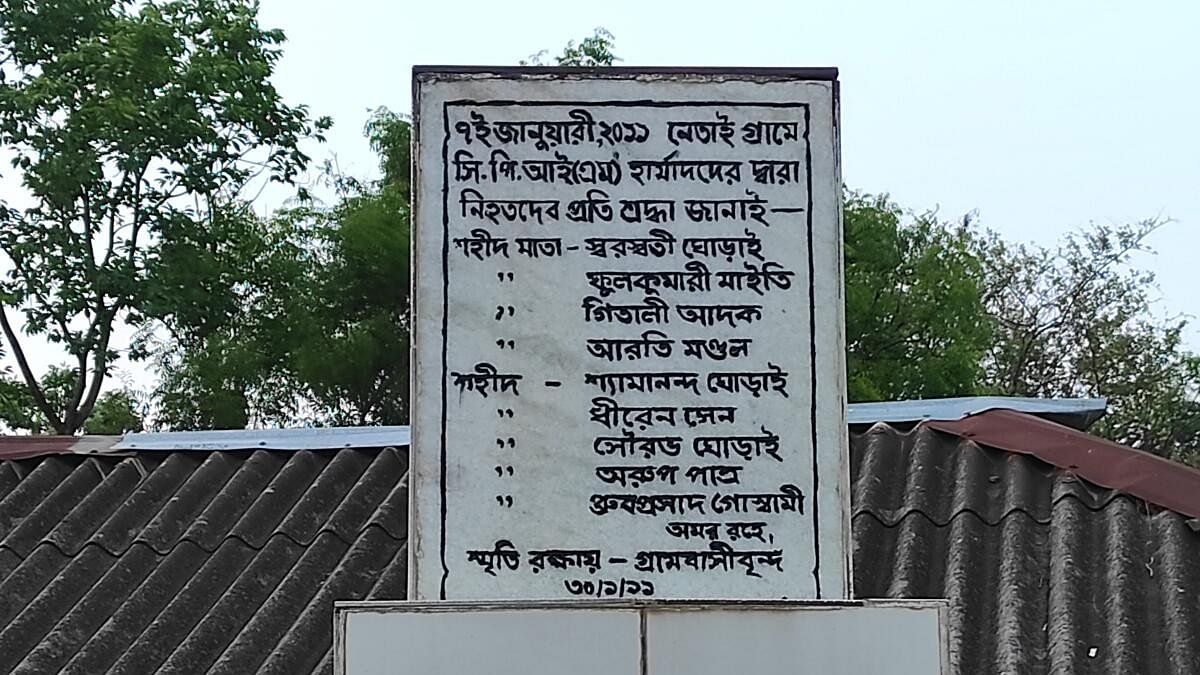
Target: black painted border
821 74
642 103
445 334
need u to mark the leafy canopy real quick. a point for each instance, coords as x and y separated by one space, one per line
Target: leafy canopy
1079 320
593 51
916 326
135 128
131 125
314 323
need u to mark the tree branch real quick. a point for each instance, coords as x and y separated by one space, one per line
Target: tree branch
99 367
115 208
88 251
77 390
35 389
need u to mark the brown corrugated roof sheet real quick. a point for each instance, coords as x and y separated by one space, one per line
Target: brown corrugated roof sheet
228 562
1156 479
23 447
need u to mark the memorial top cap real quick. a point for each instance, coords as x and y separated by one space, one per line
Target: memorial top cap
768 72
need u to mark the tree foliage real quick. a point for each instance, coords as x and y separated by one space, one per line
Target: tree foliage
312 323
220 299
937 309
593 51
115 412
130 125
354 363
134 127
1079 320
916 326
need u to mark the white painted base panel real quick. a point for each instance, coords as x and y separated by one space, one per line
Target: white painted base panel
661 638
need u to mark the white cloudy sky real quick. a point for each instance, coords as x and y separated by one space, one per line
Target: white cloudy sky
1041 116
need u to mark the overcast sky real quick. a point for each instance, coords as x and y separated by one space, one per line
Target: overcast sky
1041 116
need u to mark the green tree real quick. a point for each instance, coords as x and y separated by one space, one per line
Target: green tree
595 50
355 361
916 326
130 124
302 316
1079 320
222 299
115 412
312 319
17 409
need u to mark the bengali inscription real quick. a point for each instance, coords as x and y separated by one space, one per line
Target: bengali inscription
628 369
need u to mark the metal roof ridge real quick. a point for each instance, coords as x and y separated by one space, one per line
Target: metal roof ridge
1157 480
298 438
35 445
1079 413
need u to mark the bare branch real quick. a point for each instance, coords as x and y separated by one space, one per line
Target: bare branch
113 227
99 366
80 381
35 389
88 250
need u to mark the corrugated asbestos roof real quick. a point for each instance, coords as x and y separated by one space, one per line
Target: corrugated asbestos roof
1045 572
192 562
228 562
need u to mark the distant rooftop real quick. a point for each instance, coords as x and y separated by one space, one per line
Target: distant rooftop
1077 413
309 438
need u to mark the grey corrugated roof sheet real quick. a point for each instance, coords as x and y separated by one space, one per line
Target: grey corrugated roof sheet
228 562
189 562
1045 573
